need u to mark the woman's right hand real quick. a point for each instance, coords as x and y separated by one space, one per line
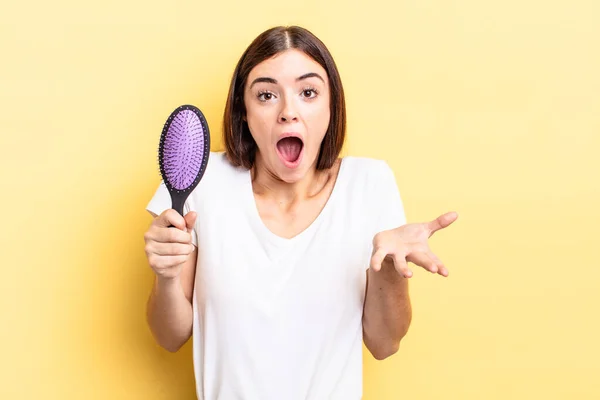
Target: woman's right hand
169 243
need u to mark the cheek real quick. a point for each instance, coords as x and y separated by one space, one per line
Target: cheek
258 122
319 122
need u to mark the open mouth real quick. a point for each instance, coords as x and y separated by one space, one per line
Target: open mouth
290 150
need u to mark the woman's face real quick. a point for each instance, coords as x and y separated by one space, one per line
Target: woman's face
287 110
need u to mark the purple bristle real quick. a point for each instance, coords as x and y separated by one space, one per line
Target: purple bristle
183 149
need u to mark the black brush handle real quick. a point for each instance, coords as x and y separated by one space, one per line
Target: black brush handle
177 202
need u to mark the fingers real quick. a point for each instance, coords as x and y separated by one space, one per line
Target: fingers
190 220
161 263
169 242
399 262
441 222
423 260
401 265
168 235
401 253
442 270
170 218
379 254
171 249
163 227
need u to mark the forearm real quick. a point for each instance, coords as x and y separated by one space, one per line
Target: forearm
387 311
169 314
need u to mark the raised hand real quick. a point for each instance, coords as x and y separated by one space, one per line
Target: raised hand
169 242
409 243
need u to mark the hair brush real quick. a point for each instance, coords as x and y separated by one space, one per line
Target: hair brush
183 153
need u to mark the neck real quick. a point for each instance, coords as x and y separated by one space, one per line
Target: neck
266 184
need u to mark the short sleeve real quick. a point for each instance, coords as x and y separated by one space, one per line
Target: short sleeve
390 206
161 201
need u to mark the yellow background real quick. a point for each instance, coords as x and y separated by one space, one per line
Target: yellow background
491 109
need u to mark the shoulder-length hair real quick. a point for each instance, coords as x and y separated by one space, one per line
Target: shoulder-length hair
240 147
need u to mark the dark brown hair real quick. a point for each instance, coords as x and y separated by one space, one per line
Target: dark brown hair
240 147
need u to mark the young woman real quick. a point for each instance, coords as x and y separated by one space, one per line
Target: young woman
288 258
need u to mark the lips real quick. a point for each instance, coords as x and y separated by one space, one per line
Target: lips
289 149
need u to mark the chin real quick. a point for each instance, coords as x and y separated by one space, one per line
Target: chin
289 175
292 173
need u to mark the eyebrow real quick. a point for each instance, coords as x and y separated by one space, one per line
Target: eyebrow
274 81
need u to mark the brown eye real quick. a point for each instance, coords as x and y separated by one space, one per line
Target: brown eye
265 96
309 93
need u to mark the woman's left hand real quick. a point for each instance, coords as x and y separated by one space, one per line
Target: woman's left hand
408 243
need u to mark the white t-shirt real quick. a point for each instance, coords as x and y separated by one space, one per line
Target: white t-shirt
276 318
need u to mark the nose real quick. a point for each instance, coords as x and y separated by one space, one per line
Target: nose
288 112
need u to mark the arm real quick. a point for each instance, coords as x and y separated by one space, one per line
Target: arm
172 257
169 307
387 310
